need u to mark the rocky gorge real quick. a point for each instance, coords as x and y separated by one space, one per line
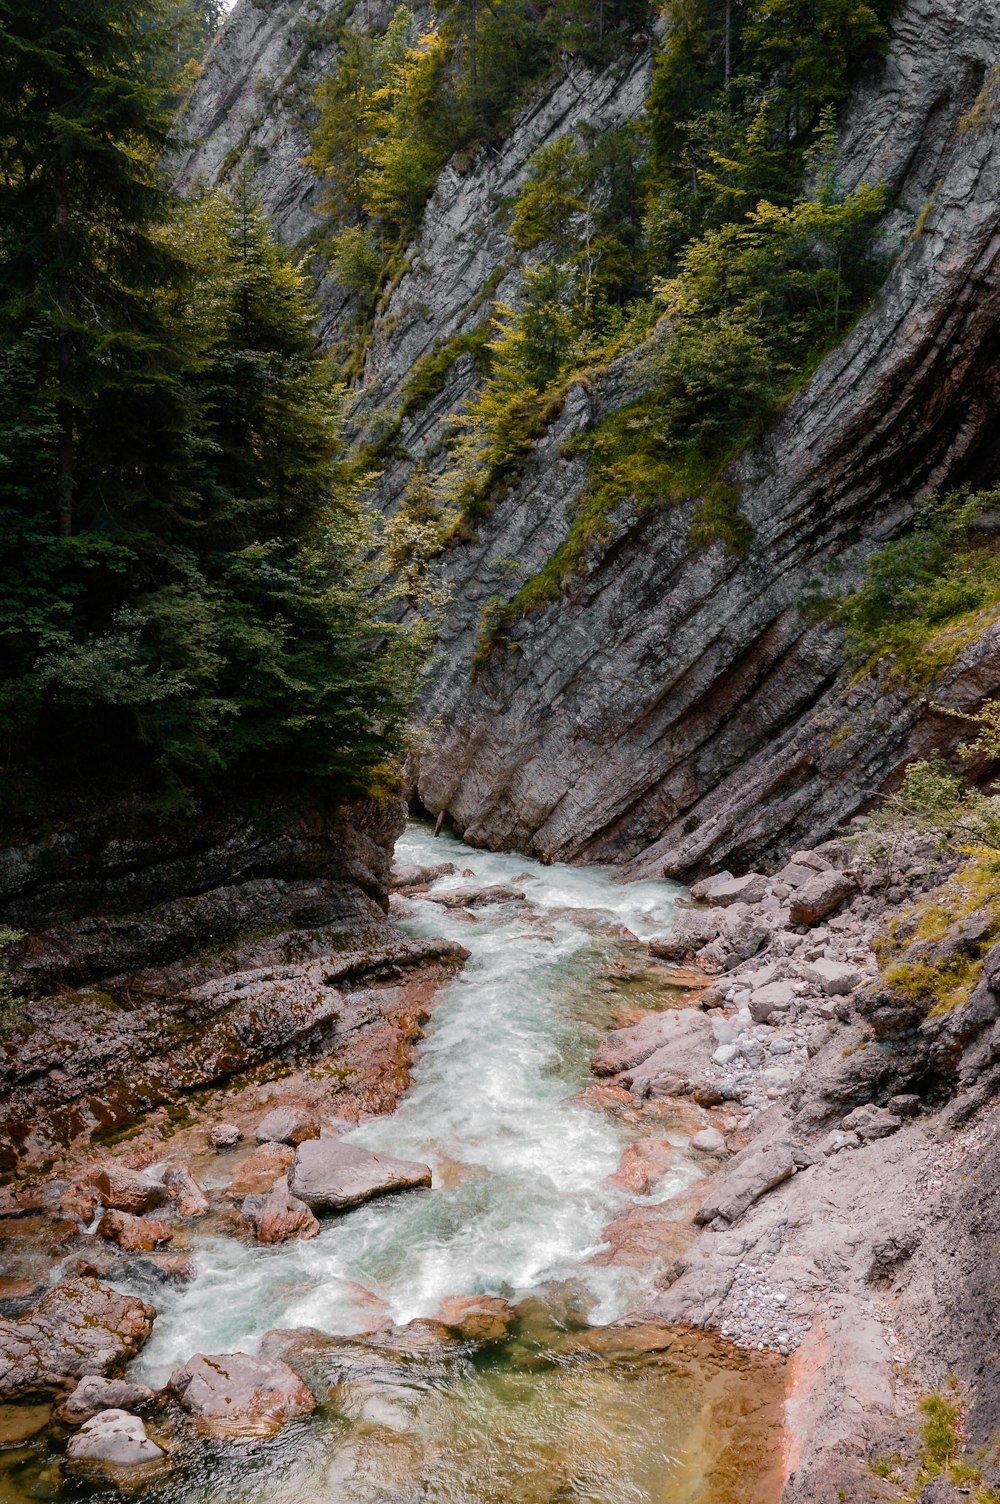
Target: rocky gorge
802 1160
625 720
468 1156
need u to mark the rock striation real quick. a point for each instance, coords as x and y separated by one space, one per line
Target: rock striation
673 709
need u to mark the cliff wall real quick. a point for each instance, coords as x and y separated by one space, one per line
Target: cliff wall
676 709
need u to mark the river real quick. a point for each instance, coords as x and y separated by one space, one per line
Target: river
520 1200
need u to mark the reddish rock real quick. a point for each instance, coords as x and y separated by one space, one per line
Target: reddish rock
186 1195
288 1125
80 1203
79 1327
167 1268
136 1234
232 1394
15 1201
127 1190
260 1169
643 1164
277 1215
480 1319
14 1292
96 1393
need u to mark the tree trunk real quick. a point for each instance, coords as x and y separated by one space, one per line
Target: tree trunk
729 29
473 71
64 407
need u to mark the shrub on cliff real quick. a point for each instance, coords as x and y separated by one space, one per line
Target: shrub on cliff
923 591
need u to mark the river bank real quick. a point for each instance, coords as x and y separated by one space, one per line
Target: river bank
645 1171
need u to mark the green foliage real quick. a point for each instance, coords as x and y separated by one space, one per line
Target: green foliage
9 1009
428 376
738 100
920 590
943 1441
394 109
719 519
933 799
189 582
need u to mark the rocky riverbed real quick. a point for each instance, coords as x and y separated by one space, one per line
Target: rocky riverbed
767 1203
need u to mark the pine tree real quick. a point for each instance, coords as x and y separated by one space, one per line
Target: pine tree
188 593
82 128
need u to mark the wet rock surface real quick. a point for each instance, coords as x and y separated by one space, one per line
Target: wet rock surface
277 1215
232 1394
76 1329
209 976
116 1439
95 1393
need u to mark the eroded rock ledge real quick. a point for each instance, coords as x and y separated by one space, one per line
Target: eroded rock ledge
163 962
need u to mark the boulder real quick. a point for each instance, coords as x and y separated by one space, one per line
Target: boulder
747 889
750 1175
870 1122
164 1268
677 1042
278 1215
706 887
478 1319
232 1394
411 875
794 874
95 1393
287 1125
814 860
136 1234
836 1140
743 930
820 896
906 1105
115 1438
773 997
708 1141
329 1175
474 898
834 977
666 1084
260 1169
224 1136
78 1328
707 1094
693 930
186 1195
127 1190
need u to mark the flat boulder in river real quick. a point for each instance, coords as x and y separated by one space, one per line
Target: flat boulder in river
77 1328
116 1440
329 1175
679 1040
232 1394
475 898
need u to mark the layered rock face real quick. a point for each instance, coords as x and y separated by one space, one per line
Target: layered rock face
169 959
676 709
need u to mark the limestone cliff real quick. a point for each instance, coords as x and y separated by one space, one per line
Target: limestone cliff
674 709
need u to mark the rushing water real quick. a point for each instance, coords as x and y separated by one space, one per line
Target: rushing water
520 1200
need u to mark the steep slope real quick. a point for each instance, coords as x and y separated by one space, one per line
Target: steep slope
674 708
